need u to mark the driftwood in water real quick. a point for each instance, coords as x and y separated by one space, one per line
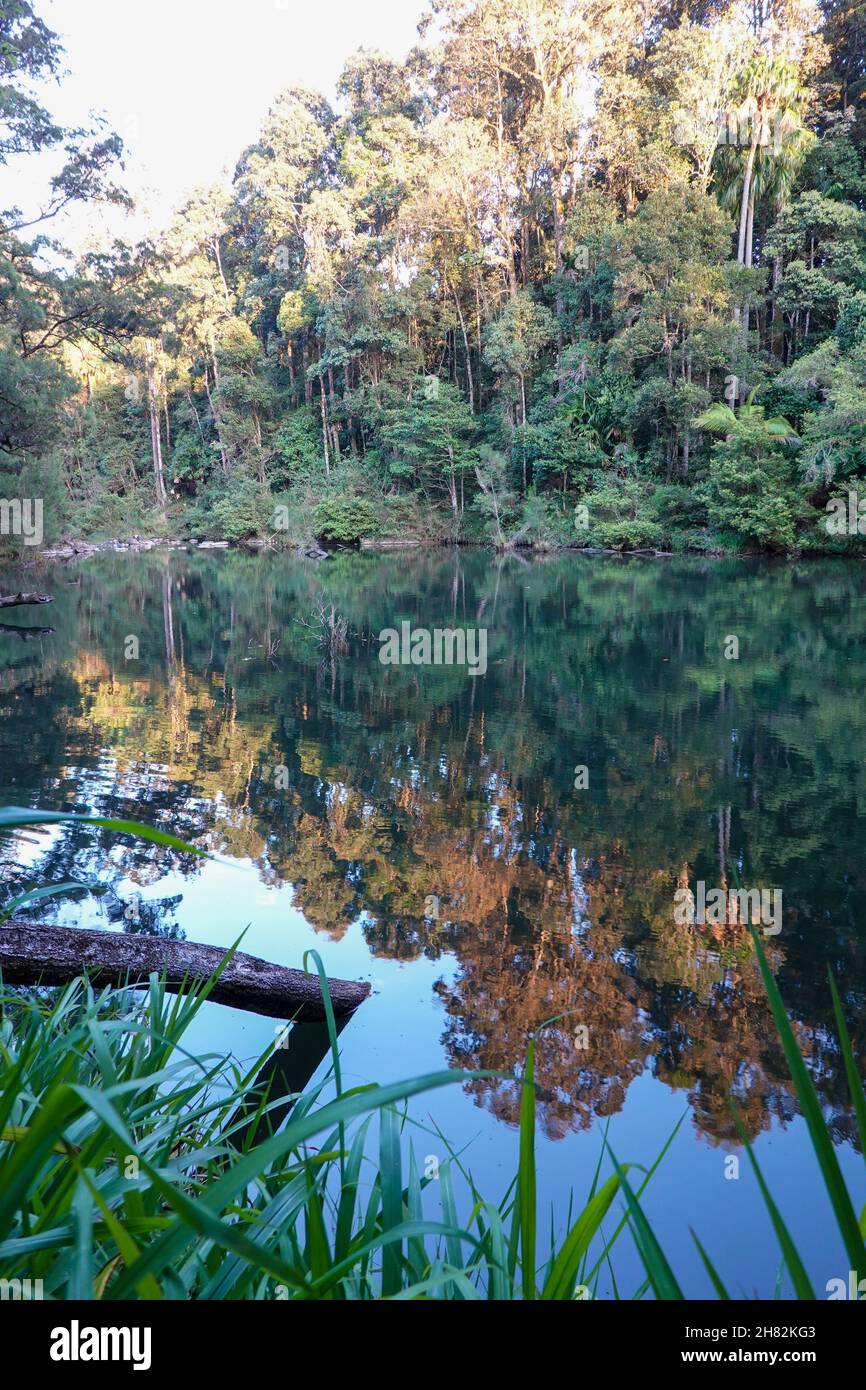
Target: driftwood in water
36 955
27 634
22 600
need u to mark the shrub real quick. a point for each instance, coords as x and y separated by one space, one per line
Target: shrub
36 480
542 523
189 461
241 512
345 519
298 450
621 515
750 492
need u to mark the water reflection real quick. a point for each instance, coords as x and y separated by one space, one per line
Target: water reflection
442 810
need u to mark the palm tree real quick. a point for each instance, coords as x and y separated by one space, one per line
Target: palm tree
765 166
721 419
771 101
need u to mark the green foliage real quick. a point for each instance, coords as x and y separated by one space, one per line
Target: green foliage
430 439
91 1077
189 460
851 327
38 479
751 493
834 428
110 515
749 419
541 523
346 519
298 450
404 284
410 516
242 512
518 336
497 505
621 516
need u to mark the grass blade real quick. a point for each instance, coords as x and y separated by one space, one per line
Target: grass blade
819 1134
527 1197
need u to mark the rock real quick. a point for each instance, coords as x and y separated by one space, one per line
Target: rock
392 543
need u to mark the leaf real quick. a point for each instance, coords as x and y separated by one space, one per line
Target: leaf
796 1268
527 1183
822 1142
16 817
561 1280
717 419
660 1273
855 1085
709 1267
13 1134
51 890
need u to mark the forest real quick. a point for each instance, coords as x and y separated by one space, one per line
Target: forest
567 274
561 306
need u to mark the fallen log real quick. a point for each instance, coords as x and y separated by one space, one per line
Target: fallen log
36 955
20 600
286 1074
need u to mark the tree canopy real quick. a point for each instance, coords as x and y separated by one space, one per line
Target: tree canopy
525 269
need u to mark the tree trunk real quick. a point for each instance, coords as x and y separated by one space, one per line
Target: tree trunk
40 955
776 348
750 228
196 414
325 430
308 385
745 202
523 424
467 350
155 436
219 260
213 411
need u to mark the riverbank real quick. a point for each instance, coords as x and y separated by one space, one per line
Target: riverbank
82 550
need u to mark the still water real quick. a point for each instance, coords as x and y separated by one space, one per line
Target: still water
493 851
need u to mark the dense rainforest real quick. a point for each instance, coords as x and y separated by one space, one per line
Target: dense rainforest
587 274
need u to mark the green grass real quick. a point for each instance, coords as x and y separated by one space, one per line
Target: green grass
127 1171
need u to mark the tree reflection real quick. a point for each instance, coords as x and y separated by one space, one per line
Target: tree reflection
442 810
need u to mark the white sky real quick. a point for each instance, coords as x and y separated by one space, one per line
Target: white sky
187 83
